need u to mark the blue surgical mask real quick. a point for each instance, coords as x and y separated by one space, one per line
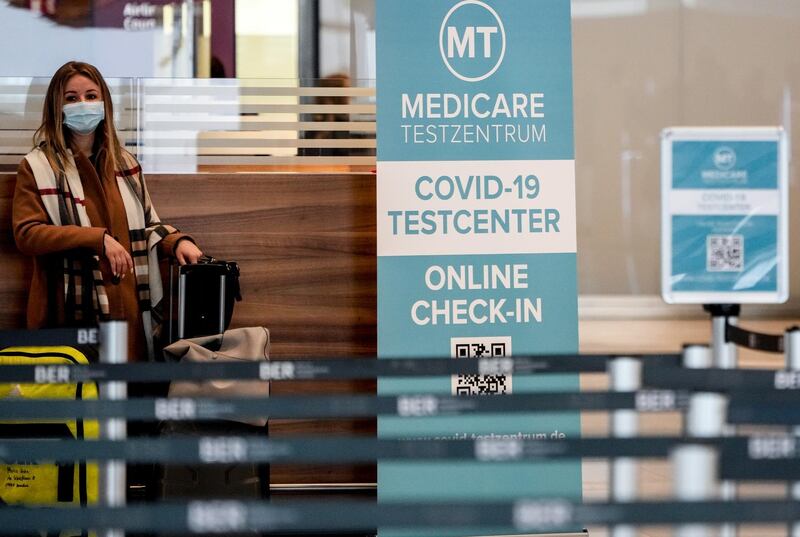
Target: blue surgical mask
84 117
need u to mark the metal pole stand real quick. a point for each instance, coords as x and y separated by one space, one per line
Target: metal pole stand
725 354
626 376
725 357
113 350
792 353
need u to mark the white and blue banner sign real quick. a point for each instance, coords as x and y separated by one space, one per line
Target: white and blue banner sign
724 215
476 224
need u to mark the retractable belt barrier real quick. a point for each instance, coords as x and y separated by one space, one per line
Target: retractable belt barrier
656 375
318 369
492 448
710 400
720 380
353 406
769 408
754 340
761 458
50 336
541 515
487 448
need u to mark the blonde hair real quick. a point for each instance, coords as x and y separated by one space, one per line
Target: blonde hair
54 138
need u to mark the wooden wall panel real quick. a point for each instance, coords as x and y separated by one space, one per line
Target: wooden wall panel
15 269
306 248
305 245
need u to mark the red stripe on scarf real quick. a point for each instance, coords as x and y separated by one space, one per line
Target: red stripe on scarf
132 171
55 192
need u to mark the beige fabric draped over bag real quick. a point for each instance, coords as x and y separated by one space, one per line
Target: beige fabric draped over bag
249 344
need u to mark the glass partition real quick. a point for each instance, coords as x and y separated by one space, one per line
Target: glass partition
256 125
218 125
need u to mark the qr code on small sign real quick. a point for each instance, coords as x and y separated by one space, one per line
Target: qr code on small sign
480 347
725 253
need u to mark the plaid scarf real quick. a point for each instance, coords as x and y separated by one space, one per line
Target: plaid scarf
64 201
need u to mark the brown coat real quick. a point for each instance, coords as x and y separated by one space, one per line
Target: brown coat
37 236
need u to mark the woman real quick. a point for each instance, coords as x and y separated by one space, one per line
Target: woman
82 208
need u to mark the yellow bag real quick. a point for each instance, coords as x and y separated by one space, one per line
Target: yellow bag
47 484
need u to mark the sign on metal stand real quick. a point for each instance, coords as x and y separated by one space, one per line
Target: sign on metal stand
724 228
724 225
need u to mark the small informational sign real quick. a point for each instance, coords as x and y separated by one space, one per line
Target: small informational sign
724 215
130 16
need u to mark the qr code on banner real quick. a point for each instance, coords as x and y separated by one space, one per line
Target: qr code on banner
725 253
480 347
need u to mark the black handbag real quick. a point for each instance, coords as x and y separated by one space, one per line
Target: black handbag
201 298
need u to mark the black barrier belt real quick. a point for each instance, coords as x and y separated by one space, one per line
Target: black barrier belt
49 337
760 458
317 369
720 380
767 408
351 406
773 457
223 449
523 515
753 340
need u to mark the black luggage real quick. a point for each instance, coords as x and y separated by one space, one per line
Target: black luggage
227 481
234 480
201 298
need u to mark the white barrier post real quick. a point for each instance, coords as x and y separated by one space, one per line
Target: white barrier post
695 466
725 354
791 347
725 357
113 350
696 357
626 376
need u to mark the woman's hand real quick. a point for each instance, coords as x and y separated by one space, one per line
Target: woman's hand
187 252
118 257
